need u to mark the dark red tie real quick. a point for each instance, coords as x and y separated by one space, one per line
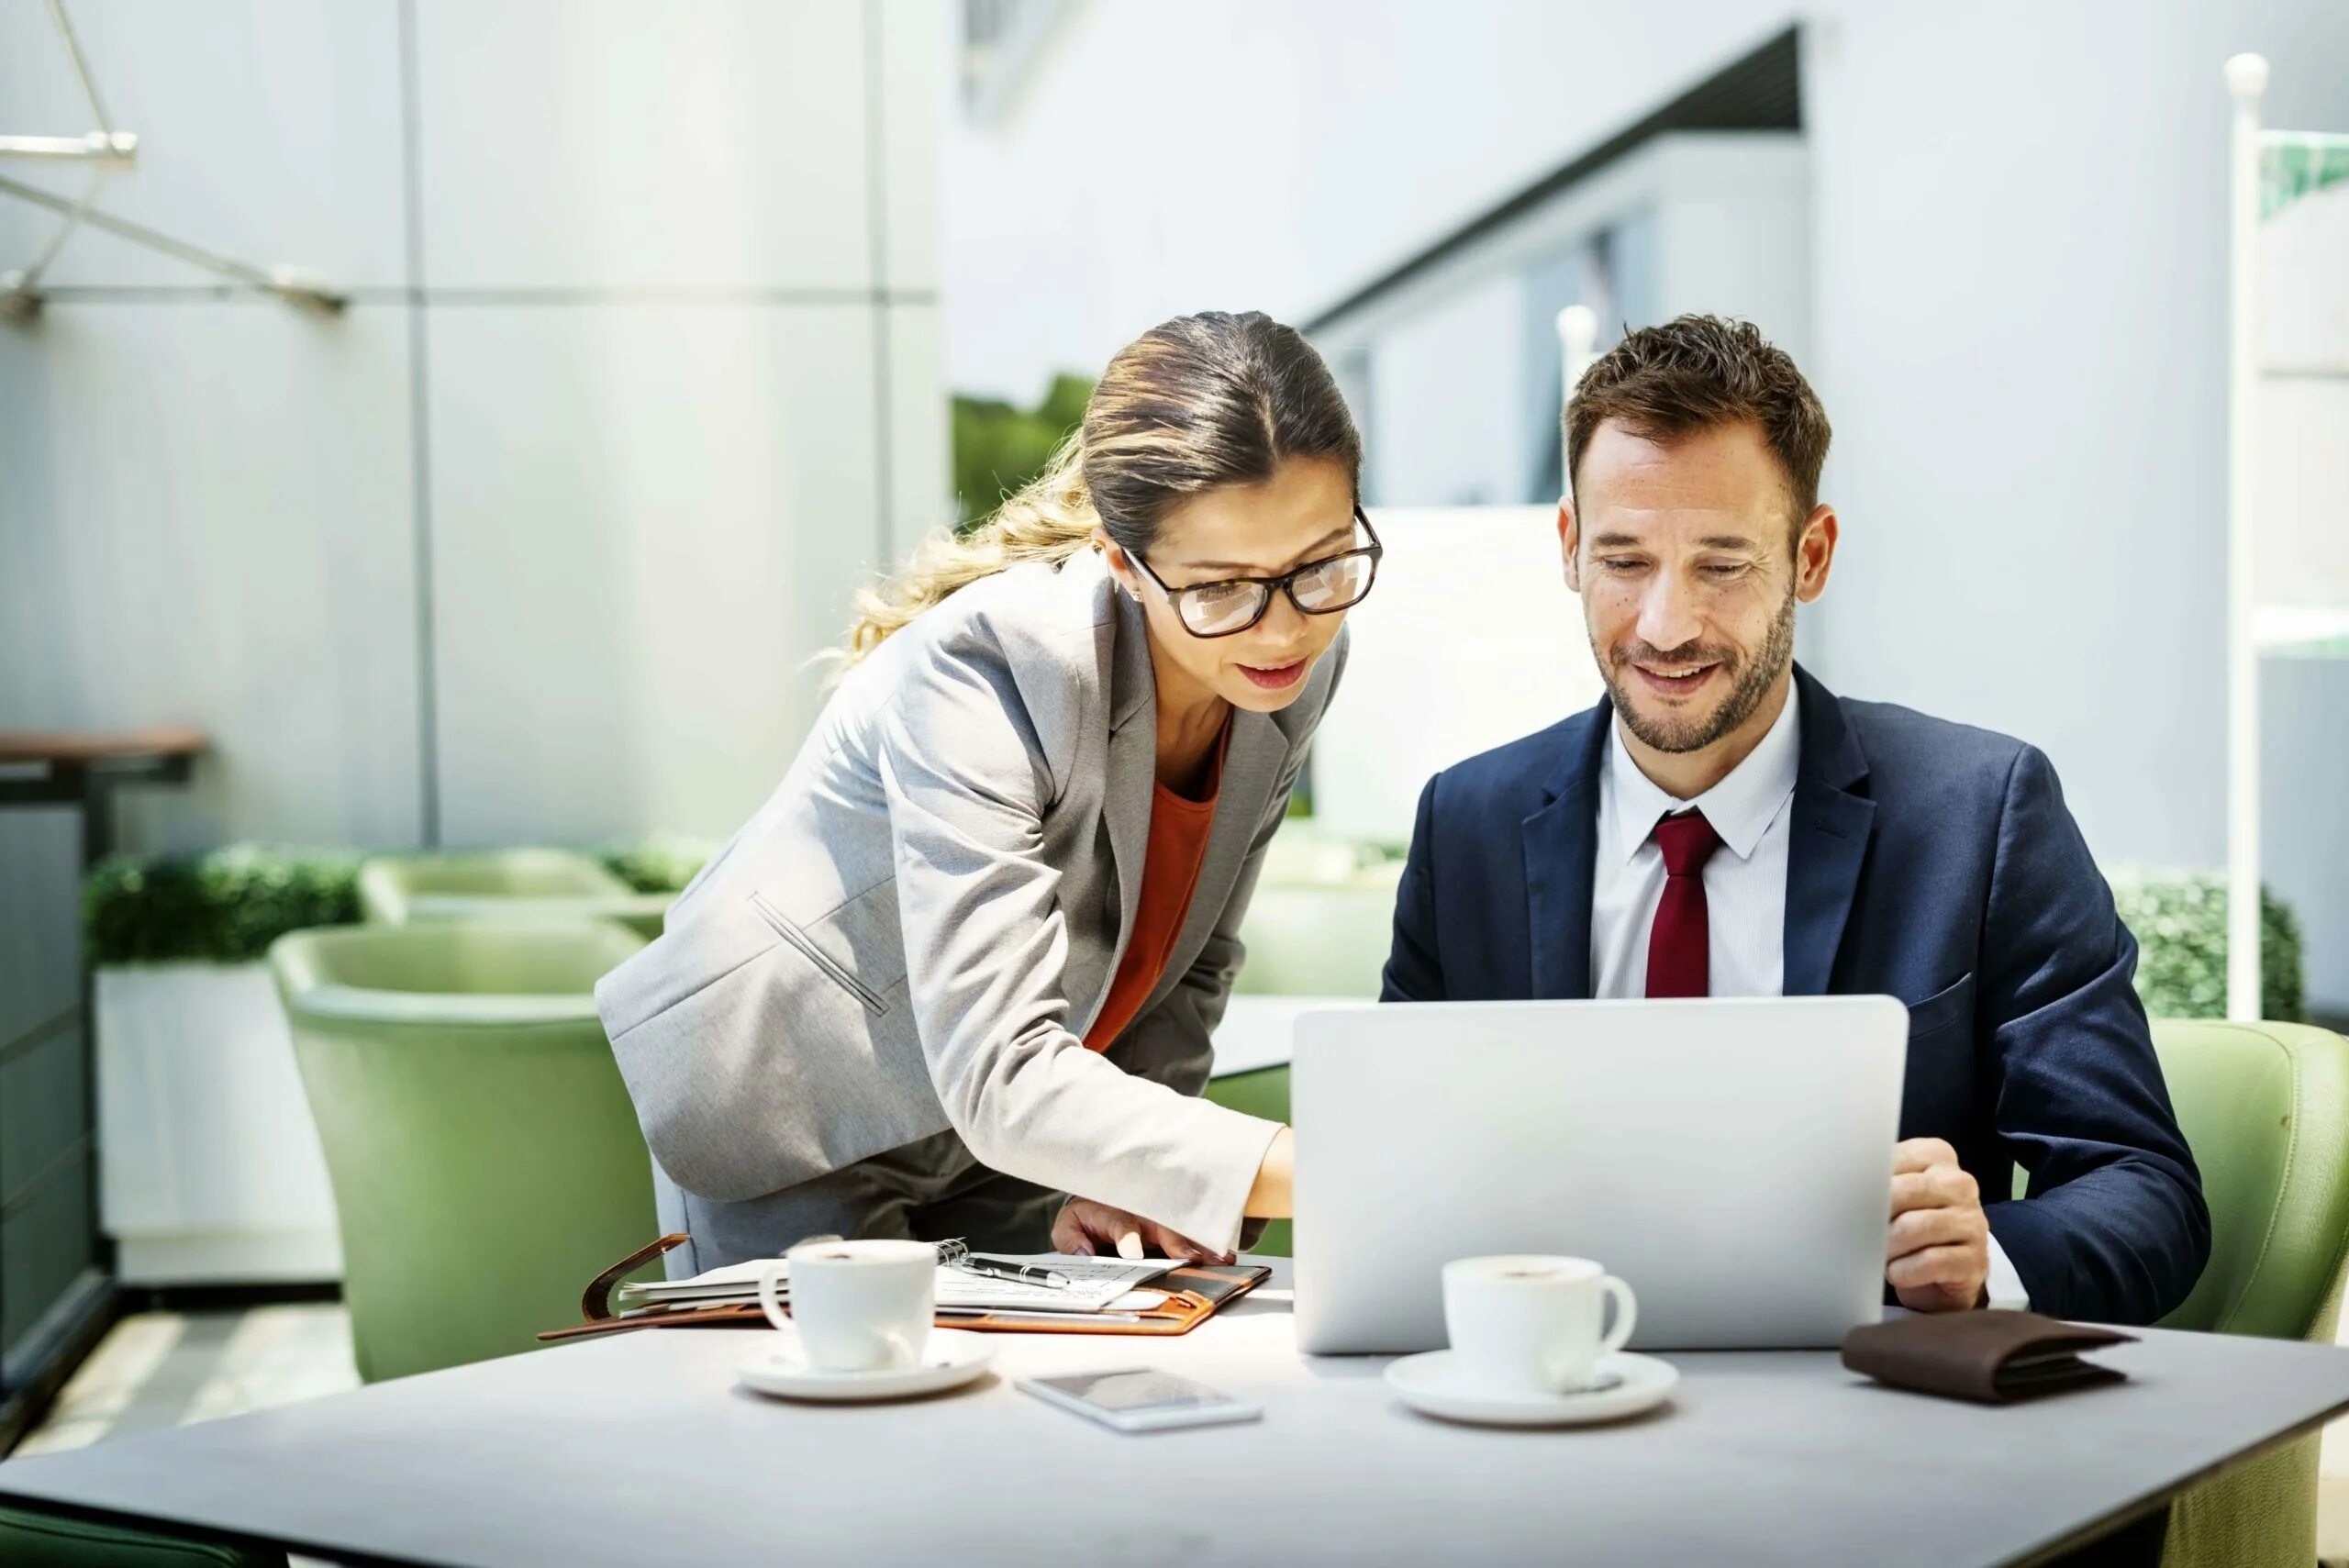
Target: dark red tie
1679 945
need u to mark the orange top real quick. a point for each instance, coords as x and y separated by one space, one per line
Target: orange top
1170 871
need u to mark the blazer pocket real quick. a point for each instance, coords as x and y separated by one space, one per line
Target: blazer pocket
1941 1010
835 967
715 939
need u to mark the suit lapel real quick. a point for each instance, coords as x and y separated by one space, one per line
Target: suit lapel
1829 841
1560 848
1252 764
1133 771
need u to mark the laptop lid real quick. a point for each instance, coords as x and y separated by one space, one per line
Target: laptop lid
1730 1159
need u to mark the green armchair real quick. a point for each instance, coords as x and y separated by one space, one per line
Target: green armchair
484 1152
506 886
2266 1109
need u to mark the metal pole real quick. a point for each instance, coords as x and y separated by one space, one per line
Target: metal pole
24 285
2247 80
289 282
106 150
81 67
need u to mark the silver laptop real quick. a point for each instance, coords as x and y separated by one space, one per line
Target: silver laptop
1731 1160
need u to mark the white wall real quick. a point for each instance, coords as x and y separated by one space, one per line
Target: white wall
1510 668
1229 154
640 376
2017 308
2021 285
1464 360
1453 376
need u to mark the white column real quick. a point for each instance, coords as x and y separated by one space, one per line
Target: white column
2246 78
1578 335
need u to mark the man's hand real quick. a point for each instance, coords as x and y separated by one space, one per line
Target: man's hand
1938 1252
1085 1228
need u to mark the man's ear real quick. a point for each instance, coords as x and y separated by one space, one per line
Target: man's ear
1569 538
1815 553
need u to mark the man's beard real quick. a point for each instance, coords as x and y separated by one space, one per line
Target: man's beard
1750 681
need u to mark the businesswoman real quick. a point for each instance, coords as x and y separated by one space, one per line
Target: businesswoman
966 958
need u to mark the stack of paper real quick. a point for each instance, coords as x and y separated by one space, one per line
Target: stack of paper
1095 1285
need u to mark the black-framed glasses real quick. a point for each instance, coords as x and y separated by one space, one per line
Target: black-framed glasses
1321 587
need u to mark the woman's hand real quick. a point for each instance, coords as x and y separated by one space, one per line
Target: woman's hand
1085 1228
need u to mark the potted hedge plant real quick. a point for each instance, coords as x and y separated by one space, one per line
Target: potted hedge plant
2180 918
210 1171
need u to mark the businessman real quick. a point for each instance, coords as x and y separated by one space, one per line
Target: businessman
1723 825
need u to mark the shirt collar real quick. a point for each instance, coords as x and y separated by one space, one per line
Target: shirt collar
1741 807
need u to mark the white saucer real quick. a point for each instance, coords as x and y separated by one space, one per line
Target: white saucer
952 1358
1625 1385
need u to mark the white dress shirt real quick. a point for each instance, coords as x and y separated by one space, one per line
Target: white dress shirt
1745 886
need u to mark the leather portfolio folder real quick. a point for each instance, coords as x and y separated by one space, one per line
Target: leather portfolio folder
1195 1292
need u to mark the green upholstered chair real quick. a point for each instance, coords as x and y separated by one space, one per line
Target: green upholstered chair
2266 1109
51 1540
504 884
483 1149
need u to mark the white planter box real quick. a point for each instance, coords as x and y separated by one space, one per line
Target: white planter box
209 1170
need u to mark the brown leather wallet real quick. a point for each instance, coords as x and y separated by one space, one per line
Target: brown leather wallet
1195 1291
1994 1357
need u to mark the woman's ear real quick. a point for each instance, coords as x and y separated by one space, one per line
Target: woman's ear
1119 567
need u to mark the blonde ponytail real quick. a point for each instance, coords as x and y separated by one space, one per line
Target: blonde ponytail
1049 518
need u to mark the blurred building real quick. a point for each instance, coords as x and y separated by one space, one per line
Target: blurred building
1993 237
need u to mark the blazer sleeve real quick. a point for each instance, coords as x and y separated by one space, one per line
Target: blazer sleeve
986 946
2114 1227
1414 971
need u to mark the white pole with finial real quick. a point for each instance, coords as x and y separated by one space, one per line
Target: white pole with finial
2246 80
1577 335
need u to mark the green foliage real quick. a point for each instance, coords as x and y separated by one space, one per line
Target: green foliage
660 864
2180 922
228 905
998 448
225 907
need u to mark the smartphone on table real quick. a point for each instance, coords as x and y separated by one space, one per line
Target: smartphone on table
1140 1399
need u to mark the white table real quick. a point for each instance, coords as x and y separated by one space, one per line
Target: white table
638 1450
1257 1032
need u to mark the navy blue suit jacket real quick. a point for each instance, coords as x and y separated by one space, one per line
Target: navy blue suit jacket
1928 862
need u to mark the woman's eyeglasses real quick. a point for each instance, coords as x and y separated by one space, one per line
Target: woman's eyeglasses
1317 588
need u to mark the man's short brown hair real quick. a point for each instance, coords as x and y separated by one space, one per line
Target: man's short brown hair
1697 373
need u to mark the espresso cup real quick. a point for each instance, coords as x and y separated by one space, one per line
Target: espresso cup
1529 1324
856 1305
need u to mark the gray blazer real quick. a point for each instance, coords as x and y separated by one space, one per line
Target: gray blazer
919 926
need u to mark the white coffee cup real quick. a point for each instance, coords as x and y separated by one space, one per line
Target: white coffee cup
1529 1323
856 1305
